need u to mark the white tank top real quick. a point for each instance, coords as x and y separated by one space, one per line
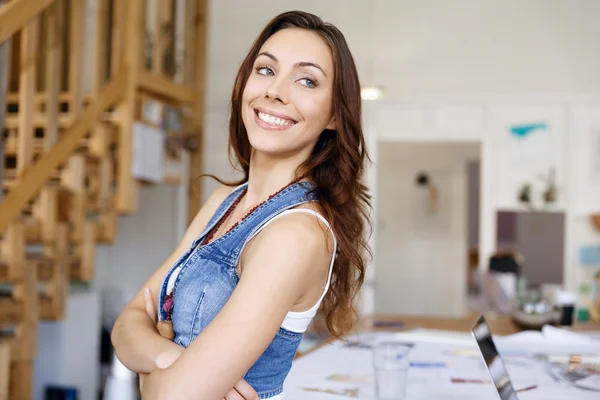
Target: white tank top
294 321
298 321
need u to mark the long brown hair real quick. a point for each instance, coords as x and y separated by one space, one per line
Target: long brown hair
335 166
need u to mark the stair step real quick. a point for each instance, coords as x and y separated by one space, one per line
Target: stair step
10 310
39 120
43 265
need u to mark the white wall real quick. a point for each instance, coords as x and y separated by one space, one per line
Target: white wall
444 65
69 351
425 48
144 241
432 46
422 256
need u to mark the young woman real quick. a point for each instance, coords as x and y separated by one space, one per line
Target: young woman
262 256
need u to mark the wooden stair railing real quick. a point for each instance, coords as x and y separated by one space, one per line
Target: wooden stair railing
39 173
4 369
17 13
68 155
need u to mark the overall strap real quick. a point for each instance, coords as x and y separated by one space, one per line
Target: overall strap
220 212
293 196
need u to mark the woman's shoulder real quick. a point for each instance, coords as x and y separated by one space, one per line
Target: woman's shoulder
219 194
209 207
306 224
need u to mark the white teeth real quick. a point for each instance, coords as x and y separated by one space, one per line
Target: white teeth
270 119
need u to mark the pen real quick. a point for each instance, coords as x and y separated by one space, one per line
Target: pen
526 389
427 365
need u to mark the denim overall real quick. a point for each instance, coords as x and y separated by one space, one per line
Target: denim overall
208 276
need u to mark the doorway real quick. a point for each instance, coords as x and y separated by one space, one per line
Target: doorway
423 222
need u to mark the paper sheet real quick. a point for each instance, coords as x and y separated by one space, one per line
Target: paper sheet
454 350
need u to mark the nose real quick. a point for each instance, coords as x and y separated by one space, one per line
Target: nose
277 91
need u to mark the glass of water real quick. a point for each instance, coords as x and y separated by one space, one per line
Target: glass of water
391 363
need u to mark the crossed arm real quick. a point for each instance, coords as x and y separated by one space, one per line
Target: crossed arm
241 391
280 264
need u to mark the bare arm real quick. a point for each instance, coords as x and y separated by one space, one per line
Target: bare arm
286 259
137 343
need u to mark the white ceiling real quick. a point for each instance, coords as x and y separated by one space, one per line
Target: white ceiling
432 46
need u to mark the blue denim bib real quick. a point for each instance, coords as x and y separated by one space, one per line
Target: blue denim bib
208 276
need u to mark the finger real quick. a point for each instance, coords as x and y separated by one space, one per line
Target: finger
233 395
149 304
245 390
142 378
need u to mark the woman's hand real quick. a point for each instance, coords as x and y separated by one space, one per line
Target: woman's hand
241 391
153 384
164 360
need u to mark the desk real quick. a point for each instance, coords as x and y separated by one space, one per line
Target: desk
314 368
499 324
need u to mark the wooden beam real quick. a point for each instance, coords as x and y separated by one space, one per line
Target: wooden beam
105 173
46 211
195 187
21 377
99 142
108 220
57 289
38 120
160 38
87 253
119 20
179 19
167 89
54 34
10 311
17 13
189 65
5 52
27 88
100 54
76 51
39 98
45 167
127 187
4 369
12 248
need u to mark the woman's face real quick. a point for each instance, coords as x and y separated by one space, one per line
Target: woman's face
287 101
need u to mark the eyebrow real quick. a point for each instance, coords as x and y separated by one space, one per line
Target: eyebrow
297 65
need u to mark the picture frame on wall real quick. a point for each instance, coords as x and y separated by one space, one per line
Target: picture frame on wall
531 155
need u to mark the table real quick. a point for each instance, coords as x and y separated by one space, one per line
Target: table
499 324
313 369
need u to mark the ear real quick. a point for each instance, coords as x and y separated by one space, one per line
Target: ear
331 125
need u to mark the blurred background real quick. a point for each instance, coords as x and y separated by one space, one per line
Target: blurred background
482 121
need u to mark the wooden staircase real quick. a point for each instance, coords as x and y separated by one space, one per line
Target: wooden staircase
71 149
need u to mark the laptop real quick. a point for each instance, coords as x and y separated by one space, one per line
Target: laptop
495 366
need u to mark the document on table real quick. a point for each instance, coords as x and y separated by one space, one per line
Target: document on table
450 370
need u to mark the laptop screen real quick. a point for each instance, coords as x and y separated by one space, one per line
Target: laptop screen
495 366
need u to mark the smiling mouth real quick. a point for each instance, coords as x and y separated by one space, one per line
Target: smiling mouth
273 120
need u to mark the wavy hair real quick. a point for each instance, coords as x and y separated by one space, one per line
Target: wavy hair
335 166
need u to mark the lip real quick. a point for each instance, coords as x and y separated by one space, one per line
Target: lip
274 113
271 127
